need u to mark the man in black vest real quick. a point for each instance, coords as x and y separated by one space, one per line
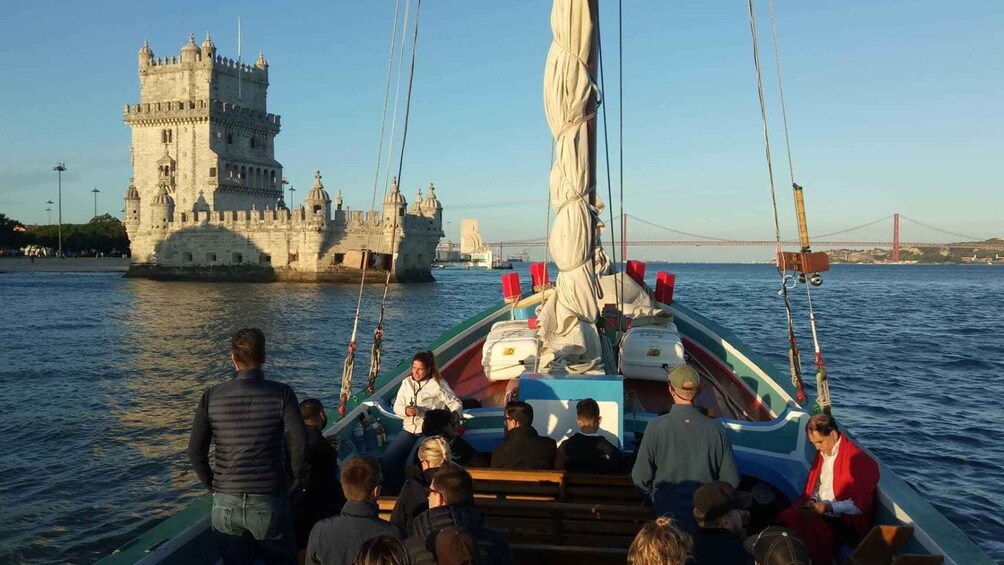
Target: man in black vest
245 417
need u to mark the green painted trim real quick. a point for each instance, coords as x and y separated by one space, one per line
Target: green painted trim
146 543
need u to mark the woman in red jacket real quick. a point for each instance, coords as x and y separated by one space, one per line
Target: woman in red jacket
838 500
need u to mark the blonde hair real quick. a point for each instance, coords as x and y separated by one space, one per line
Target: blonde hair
435 451
660 543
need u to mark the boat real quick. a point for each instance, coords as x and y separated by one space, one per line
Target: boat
554 357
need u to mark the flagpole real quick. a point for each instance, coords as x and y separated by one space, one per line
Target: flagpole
239 64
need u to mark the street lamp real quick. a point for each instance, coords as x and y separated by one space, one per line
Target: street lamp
95 191
48 209
59 168
285 181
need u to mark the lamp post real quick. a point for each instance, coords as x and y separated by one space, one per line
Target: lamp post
95 191
48 208
285 181
59 168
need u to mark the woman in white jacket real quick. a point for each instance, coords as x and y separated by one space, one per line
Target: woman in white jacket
424 390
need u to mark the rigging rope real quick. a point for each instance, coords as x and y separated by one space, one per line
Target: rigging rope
378 332
620 133
794 360
349 363
822 380
618 292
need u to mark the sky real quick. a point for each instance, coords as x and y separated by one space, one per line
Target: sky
893 106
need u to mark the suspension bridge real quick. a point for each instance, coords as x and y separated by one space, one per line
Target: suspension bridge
648 234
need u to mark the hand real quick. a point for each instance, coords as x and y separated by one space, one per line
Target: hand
816 507
410 411
454 418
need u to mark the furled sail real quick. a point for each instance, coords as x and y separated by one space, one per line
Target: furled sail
567 319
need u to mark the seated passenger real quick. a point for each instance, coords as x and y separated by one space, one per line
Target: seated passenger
441 423
451 504
721 516
337 540
776 546
681 451
522 447
424 390
320 492
660 543
433 453
588 451
382 550
836 505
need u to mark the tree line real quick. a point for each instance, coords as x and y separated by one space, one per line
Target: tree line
104 234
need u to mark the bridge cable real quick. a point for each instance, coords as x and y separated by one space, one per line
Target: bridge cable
929 226
349 363
822 381
793 358
688 234
855 227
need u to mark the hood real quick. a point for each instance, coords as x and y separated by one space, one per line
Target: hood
436 519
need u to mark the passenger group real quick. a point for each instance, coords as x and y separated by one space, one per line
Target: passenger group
280 497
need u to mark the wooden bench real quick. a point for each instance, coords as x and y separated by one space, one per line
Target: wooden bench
557 517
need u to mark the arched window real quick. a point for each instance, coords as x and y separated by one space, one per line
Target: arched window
252 142
230 138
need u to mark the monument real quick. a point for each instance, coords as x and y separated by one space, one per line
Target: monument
206 197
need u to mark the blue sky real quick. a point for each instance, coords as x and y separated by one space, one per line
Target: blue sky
893 106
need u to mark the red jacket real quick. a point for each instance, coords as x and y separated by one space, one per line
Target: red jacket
855 476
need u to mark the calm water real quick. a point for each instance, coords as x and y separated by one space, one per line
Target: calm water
100 376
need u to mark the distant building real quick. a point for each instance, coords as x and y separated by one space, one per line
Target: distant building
206 198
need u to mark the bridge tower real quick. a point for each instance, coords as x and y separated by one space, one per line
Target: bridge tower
895 237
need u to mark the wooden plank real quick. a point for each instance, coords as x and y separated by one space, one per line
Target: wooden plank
515 475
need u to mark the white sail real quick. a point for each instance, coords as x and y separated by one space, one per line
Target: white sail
567 320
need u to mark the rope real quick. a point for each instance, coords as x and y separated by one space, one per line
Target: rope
620 133
349 365
794 360
618 292
378 332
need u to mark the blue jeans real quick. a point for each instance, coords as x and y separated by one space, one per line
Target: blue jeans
253 526
394 460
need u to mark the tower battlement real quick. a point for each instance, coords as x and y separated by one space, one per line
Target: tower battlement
206 200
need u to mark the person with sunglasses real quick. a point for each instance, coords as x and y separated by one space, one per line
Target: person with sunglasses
337 540
451 505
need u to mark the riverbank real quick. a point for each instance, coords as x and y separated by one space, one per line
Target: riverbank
67 265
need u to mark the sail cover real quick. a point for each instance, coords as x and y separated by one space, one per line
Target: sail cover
567 319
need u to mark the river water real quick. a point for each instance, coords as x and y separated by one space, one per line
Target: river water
100 376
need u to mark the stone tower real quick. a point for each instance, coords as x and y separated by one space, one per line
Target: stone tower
202 133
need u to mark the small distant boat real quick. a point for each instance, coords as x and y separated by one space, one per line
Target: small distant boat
502 263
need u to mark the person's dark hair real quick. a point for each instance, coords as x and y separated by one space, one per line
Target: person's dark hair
434 422
822 424
360 476
382 550
429 360
310 410
455 484
248 347
587 409
521 412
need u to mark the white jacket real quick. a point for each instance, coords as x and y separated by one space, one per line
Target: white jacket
429 394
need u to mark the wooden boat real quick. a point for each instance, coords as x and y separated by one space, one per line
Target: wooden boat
554 517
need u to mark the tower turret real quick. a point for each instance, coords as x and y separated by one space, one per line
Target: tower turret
145 54
431 206
318 202
261 63
394 204
338 200
208 49
416 206
190 52
161 209
132 205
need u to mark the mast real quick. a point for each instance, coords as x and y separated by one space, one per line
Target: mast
567 320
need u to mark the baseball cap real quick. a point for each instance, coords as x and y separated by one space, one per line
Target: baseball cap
685 380
714 500
778 546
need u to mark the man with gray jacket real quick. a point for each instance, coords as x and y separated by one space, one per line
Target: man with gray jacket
246 417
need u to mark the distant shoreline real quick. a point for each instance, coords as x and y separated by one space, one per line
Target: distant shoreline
68 265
